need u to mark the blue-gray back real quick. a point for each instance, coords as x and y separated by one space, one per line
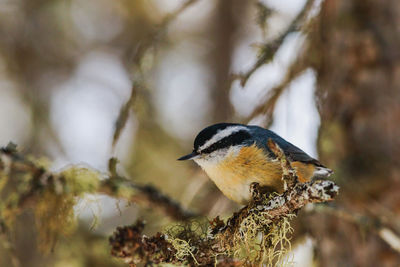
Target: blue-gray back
294 153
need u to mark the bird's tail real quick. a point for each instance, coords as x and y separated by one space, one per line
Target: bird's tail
322 172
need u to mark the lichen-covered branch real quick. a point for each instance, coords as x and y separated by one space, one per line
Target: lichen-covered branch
223 240
288 202
257 234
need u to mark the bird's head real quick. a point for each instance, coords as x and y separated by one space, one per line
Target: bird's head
213 143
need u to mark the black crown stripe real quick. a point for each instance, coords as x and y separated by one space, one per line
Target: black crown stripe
208 132
236 138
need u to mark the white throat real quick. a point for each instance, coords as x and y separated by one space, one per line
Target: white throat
216 157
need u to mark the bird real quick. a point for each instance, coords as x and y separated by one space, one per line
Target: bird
235 156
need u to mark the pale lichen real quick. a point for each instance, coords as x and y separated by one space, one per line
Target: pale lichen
81 180
54 212
183 249
54 216
262 240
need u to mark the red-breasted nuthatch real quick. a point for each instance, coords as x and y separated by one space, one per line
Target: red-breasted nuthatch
235 155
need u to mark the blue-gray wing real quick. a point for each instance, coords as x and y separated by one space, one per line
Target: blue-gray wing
293 153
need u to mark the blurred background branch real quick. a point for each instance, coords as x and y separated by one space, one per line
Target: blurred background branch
269 49
375 225
40 180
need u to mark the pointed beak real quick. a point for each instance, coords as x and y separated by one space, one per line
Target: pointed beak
189 156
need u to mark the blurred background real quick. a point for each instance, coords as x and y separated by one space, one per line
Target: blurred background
324 75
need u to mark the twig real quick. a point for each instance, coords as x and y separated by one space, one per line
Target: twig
268 105
270 48
145 195
124 115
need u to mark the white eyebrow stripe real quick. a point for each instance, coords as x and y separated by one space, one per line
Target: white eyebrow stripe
222 134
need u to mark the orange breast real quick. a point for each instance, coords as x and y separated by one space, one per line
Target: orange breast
240 169
253 164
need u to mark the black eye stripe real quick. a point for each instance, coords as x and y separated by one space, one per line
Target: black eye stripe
231 140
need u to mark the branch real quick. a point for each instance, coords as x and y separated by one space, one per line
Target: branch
123 115
145 195
216 247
